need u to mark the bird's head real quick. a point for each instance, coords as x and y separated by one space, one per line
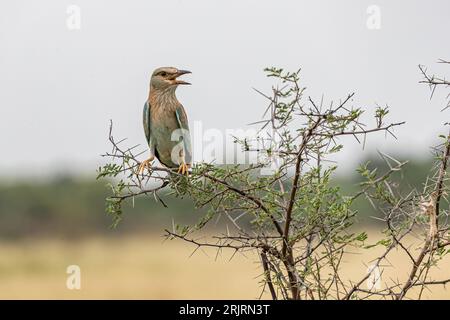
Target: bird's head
165 77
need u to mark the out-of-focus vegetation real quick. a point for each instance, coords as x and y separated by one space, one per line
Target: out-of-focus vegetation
145 267
40 220
68 207
130 267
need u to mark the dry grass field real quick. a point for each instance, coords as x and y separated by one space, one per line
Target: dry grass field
146 267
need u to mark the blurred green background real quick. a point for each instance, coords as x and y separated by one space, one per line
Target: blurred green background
65 206
49 224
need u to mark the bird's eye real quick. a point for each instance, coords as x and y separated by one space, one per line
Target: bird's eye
163 74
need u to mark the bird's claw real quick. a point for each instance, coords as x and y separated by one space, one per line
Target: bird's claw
145 164
183 169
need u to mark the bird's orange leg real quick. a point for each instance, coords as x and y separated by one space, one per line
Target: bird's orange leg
184 169
145 164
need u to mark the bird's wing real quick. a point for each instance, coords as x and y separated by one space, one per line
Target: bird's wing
147 127
183 124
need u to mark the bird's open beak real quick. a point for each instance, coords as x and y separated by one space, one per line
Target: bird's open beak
180 73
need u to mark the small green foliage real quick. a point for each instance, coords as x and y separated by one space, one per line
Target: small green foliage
380 114
109 170
114 209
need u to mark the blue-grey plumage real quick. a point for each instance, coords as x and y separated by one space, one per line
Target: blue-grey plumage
165 121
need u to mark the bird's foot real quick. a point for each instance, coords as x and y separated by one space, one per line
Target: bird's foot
146 164
183 169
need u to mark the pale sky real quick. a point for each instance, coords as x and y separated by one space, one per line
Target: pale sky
60 87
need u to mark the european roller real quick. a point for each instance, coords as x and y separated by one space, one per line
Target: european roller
165 122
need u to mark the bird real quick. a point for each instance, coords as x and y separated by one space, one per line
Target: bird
165 122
